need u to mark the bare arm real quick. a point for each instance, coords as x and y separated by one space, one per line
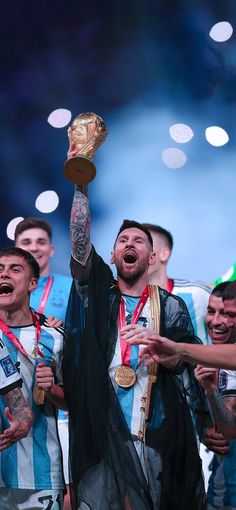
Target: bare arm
222 409
80 225
20 418
223 413
159 348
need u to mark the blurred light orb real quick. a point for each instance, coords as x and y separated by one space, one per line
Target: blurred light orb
181 133
174 158
47 201
59 118
221 31
216 136
11 227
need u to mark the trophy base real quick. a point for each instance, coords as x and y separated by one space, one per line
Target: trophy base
79 170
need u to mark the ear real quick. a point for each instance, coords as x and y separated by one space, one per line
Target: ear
164 254
32 284
112 259
52 250
152 258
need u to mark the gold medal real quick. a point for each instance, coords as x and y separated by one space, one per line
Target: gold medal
39 395
125 376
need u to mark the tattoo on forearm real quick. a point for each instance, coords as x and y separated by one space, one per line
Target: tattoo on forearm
221 415
18 406
80 225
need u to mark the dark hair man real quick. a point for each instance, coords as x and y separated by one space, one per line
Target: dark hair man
162 349
51 295
195 294
129 425
30 470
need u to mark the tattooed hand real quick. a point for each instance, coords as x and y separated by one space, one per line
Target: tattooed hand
20 418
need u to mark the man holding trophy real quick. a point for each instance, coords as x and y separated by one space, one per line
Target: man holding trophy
132 440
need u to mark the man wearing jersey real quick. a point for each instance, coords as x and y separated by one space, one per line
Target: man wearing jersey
195 294
18 413
132 442
30 470
221 383
49 298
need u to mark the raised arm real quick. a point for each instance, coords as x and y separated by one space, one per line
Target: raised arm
80 225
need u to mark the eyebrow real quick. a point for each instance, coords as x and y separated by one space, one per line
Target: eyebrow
11 265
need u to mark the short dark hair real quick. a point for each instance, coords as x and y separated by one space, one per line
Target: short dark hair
162 231
219 289
28 223
31 261
135 224
229 293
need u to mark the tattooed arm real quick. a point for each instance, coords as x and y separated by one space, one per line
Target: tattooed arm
223 410
20 418
80 226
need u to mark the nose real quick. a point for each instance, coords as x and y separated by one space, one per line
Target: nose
33 247
216 319
4 273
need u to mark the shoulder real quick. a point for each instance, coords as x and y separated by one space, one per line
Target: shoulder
54 331
193 287
171 300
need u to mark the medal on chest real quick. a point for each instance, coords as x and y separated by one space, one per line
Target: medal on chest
125 376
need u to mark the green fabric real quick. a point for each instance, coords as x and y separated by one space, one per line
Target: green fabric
229 276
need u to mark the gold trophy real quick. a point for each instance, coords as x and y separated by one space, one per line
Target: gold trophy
85 134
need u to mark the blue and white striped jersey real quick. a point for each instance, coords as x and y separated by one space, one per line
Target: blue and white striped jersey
9 375
130 398
35 461
196 296
222 483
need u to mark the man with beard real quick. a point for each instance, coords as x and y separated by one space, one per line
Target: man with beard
132 441
220 384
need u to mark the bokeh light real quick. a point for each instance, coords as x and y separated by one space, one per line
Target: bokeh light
59 118
47 201
181 133
221 31
11 227
174 158
216 136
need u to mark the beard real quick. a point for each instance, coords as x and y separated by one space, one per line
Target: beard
129 276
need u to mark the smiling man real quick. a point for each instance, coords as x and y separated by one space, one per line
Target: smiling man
220 388
52 292
131 429
30 470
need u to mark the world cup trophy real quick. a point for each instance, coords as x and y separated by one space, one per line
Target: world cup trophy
85 134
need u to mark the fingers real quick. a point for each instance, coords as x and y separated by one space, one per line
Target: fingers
54 322
44 376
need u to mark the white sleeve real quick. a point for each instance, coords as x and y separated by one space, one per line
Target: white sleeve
227 383
9 375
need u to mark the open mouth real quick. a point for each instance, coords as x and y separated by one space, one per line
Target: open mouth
6 288
130 258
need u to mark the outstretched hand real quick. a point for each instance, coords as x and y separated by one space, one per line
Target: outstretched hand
18 429
157 348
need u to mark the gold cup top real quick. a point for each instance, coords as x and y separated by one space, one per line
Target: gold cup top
86 133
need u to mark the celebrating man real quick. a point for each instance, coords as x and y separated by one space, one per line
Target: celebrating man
31 471
133 443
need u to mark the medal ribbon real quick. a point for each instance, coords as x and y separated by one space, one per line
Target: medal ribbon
125 347
170 284
46 292
16 342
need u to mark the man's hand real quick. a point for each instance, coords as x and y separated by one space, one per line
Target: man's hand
207 377
18 429
54 322
155 345
44 377
215 441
